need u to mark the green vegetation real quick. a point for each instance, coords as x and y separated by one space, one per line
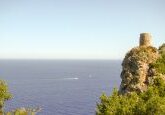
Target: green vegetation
159 65
162 49
21 111
149 102
4 95
146 103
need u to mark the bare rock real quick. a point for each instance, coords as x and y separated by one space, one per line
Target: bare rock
135 66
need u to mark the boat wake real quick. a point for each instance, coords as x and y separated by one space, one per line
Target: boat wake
72 78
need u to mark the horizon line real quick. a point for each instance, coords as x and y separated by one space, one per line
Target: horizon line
60 58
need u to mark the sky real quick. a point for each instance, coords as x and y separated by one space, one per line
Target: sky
77 29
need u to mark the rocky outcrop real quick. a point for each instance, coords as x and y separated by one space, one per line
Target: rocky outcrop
136 71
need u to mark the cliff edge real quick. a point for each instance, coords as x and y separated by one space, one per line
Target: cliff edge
142 89
137 72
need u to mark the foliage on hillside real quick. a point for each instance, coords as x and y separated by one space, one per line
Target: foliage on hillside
4 94
149 102
23 111
146 103
162 49
159 65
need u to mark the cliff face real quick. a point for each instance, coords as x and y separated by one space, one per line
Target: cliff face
136 72
142 90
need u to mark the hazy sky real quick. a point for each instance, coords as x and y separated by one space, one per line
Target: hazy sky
77 29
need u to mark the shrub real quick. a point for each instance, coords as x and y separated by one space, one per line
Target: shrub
162 49
146 103
159 65
4 94
23 111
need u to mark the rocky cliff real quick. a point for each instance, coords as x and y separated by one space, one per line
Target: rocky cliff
137 72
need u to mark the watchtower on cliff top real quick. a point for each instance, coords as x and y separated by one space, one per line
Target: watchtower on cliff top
145 39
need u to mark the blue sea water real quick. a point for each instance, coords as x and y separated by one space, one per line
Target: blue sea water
59 87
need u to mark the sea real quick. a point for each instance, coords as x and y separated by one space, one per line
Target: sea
59 87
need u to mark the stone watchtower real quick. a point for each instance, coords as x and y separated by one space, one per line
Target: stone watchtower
145 39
